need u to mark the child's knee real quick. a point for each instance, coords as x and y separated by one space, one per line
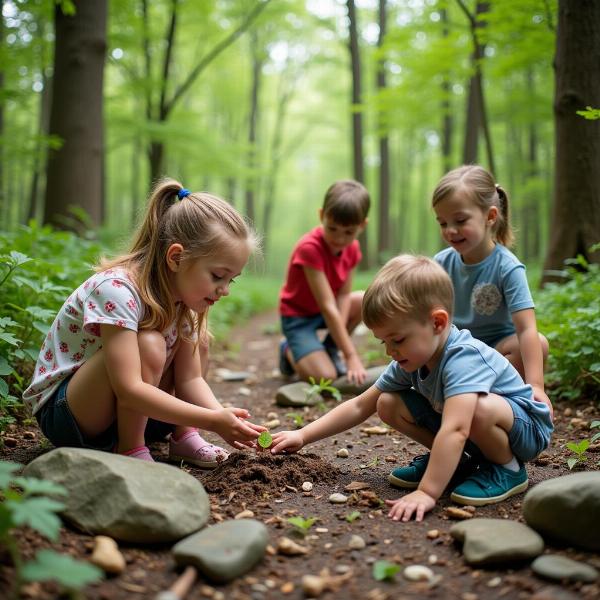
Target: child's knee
153 354
390 408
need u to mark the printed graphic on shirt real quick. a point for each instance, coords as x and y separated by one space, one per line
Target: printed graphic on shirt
486 298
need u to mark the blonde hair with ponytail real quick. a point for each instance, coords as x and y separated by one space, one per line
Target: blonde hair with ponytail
478 184
202 224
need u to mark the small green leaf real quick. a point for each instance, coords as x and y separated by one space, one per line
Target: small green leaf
571 462
301 523
32 486
39 513
265 439
595 436
5 368
51 566
352 516
7 468
382 570
595 424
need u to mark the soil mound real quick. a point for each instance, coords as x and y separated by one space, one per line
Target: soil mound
257 475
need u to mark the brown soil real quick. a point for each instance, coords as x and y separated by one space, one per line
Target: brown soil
271 488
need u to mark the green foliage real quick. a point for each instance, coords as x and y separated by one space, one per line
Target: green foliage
297 418
324 385
351 517
569 315
265 439
38 268
301 524
384 570
580 448
591 114
24 503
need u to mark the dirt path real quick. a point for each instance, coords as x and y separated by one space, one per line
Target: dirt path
150 569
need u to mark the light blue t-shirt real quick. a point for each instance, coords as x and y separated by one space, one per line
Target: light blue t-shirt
467 365
487 293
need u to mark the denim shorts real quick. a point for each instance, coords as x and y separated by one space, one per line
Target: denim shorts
525 438
302 338
59 425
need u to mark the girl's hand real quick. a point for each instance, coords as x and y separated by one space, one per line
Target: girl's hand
287 441
540 396
416 502
231 425
356 372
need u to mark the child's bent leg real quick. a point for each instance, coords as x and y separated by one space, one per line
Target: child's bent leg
509 347
393 411
492 421
317 364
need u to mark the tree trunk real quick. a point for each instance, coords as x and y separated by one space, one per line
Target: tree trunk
447 120
252 179
74 175
383 241
357 144
2 150
575 223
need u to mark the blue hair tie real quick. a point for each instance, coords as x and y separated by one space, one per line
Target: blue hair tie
182 193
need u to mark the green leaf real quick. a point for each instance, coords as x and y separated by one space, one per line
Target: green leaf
580 447
352 516
5 368
302 523
382 570
265 439
595 436
3 388
18 258
7 468
32 486
595 424
571 462
9 339
51 566
39 513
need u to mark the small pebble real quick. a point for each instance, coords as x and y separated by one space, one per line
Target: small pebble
432 560
307 486
494 582
342 569
356 543
272 415
245 514
338 498
343 453
432 534
29 435
418 573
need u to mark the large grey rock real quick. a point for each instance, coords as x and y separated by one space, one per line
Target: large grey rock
296 394
125 498
553 566
346 387
566 509
224 551
494 541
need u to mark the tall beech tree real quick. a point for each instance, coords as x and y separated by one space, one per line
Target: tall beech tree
75 171
575 222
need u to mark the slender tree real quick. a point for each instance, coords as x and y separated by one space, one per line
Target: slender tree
75 171
575 223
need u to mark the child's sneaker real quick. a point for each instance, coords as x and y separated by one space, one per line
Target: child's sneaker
410 476
141 452
195 450
491 484
285 366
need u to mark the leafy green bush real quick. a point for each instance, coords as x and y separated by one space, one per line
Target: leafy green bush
39 267
23 502
569 315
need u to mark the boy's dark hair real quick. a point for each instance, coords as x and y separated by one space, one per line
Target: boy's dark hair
347 202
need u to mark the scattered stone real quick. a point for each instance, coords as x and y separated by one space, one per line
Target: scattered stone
342 569
227 375
287 587
272 415
566 509
10 442
553 592
296 394
458 513
245 514
493 541
356 543
224 551
288 547
418 573
343 453
494 582
272 423
338 498
314 585
433 534
244 391
307 486
125 498
29 435
106 555
553 566
432 559
321 530
375 430
346 387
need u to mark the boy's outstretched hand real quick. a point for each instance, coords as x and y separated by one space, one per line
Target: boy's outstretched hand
287 441
356 373
417 503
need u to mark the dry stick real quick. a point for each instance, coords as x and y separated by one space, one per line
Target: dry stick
181 587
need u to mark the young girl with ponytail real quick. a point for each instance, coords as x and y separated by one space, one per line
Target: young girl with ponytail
125 360
492 297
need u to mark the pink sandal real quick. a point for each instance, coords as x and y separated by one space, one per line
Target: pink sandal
141 452
194 449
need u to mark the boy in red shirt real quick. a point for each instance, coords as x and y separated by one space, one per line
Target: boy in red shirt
317 293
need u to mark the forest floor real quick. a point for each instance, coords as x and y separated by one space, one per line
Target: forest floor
276 495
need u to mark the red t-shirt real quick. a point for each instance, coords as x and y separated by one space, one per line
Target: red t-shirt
296 298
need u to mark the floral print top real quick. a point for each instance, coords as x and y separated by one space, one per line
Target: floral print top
106 298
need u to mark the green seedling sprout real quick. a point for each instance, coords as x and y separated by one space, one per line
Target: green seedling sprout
351 517
297 418
579 449
324 385
384 570
595 425
301 524
265 439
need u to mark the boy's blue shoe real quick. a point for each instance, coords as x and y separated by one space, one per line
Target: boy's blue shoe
410 476
334 355
285 366
490 484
